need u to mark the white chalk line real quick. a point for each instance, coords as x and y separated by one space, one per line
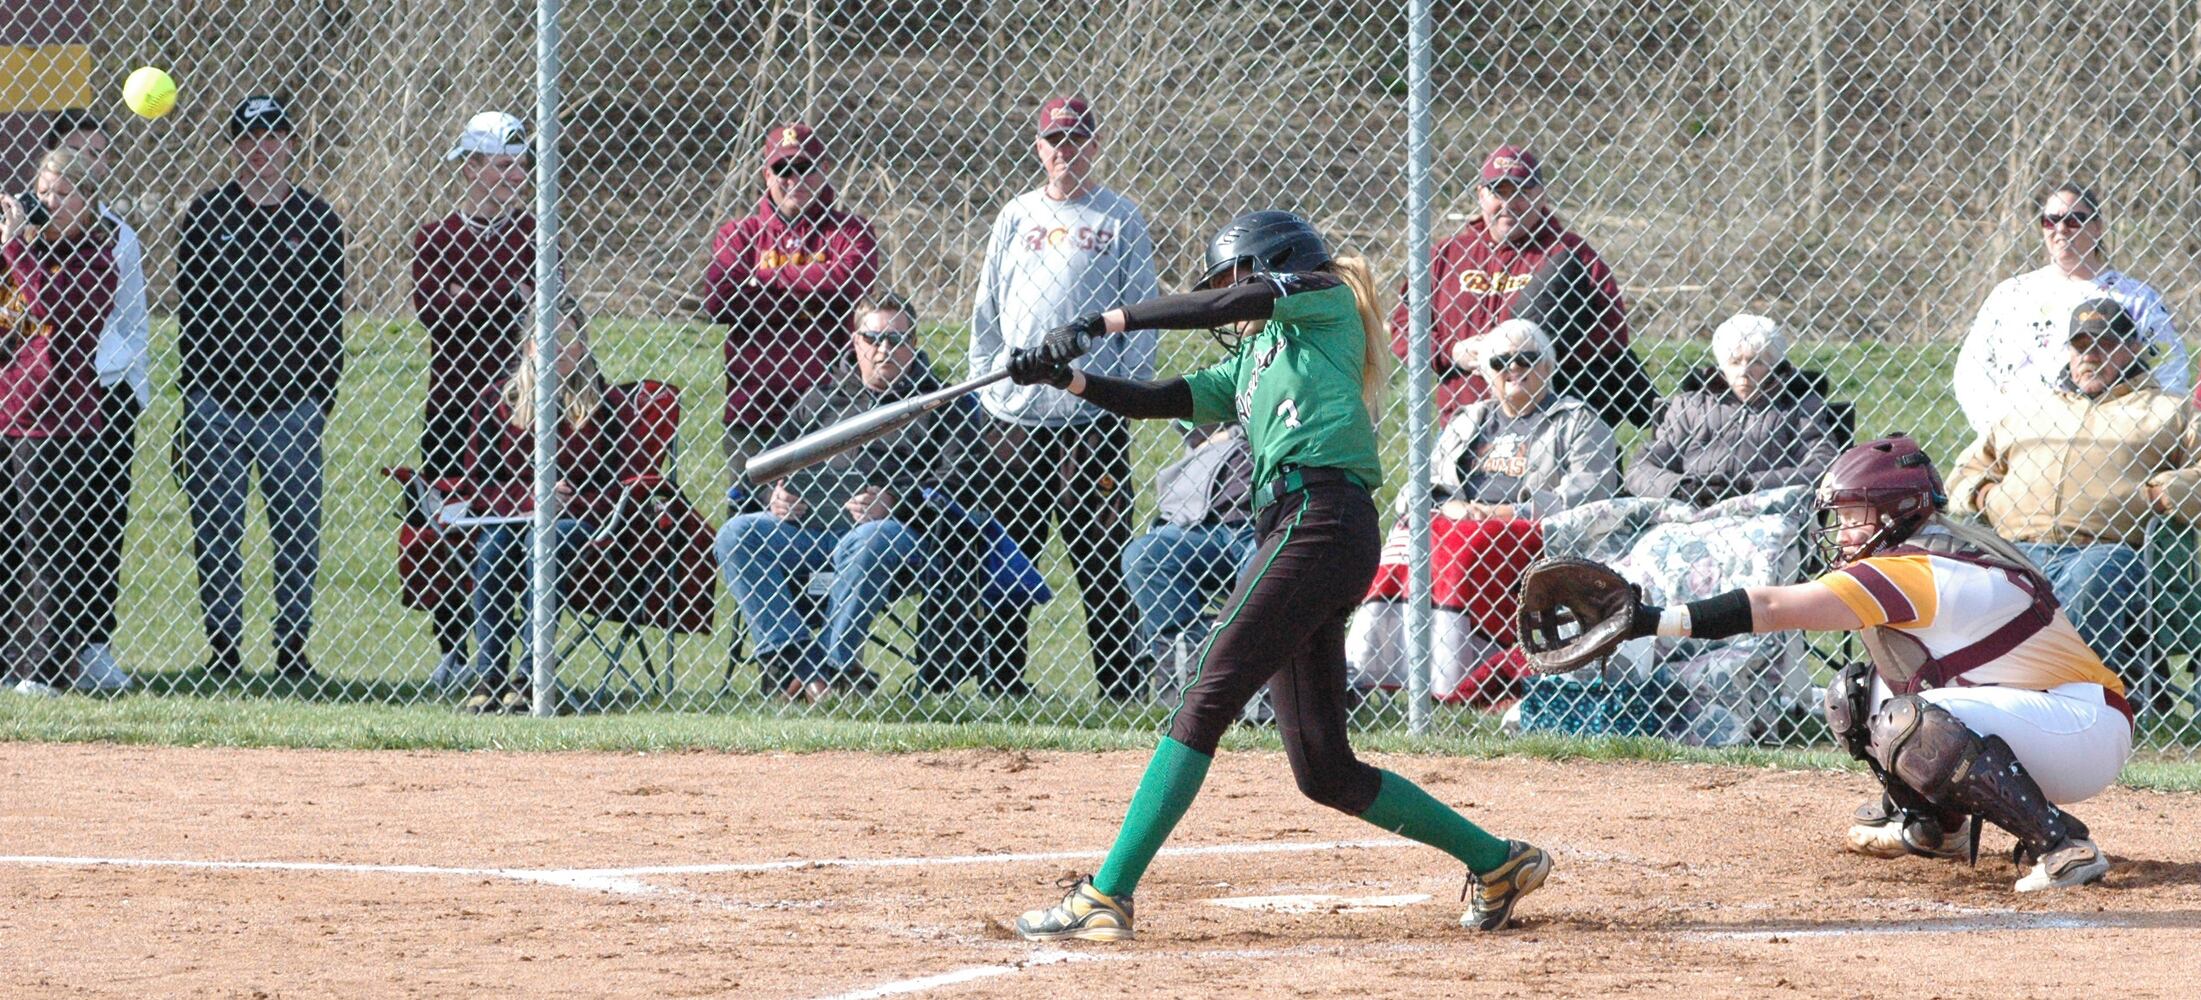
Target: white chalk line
629 880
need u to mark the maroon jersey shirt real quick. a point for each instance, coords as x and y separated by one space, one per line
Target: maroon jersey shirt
468 275
785 288
1474 282
56 305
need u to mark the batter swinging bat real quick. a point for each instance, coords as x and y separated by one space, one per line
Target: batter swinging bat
855 432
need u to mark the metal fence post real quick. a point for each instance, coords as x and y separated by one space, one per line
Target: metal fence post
543 586
1418 375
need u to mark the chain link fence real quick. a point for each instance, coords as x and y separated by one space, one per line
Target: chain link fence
312 476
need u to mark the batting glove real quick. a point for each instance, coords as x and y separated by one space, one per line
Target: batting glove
1033 366
1069 342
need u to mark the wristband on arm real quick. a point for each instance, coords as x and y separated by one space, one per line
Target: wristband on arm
1718 617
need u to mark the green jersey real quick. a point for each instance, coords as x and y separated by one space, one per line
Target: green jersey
1296 384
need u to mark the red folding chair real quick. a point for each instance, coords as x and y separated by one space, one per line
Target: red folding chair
648 568
433 560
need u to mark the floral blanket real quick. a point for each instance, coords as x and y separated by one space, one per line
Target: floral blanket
1730 691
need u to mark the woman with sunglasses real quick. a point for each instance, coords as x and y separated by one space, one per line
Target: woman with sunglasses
2016 345
1501 464
784 281
1305 376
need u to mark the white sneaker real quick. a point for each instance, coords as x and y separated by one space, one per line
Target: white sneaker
98 671
448 670
2077 862
1884 839
35 689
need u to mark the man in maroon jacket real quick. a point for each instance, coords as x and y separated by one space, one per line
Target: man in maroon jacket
784 280
1517 260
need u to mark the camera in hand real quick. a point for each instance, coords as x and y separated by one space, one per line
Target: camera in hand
34 210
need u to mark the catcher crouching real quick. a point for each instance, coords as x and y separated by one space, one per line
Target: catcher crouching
1980 703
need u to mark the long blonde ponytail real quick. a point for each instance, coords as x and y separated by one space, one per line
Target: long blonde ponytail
1375 349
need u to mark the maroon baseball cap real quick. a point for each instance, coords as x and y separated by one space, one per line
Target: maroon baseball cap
1068 114
794 139
1512 163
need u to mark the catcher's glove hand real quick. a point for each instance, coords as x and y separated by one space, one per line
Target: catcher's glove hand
1574 612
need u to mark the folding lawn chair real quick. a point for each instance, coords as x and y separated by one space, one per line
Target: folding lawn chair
648 568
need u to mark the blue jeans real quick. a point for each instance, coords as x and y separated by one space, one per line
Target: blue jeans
2101 587
222 450
503 564
1172 570
768 562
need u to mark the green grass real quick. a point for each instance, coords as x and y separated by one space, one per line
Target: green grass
213 722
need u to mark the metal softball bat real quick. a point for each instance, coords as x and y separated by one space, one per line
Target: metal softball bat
855 432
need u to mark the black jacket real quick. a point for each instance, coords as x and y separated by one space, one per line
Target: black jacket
260 300
930 453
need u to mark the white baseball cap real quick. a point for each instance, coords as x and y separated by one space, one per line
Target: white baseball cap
491 133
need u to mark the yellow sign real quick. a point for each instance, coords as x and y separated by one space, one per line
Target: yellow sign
45 77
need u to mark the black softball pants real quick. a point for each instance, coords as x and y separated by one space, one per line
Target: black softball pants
1284 625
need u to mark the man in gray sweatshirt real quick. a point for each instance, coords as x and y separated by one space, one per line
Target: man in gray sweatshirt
1068 249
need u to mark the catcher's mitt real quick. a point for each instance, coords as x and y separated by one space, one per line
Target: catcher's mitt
1573 612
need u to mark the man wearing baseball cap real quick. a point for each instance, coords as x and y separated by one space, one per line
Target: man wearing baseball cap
1517 260
260 290
2074 475
784 280
474 291
1066 249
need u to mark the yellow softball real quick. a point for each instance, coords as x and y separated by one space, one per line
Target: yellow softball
150 92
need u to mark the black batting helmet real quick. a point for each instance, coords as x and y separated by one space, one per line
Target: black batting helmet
1268 240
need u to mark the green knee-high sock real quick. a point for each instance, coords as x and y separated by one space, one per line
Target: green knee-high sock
1403 808
1172 779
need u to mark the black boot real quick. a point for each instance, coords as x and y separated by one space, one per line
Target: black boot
222 659
291 663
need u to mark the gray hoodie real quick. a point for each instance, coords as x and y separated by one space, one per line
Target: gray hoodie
1784 436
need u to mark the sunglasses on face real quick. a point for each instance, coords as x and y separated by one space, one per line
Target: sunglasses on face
788 169
1517 359
2074 218
889 338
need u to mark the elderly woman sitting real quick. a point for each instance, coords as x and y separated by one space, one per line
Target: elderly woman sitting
1501 464
1752 423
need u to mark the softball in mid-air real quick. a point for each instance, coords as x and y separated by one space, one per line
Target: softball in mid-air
150 92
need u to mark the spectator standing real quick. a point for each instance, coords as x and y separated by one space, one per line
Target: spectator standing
260 307
1749 423
125 390
862 515
2016 347
1484 275
2074 476
784 281
59 294
1066 249
473 288
499 481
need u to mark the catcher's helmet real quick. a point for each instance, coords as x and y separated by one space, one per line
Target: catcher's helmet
1892 477
1268 240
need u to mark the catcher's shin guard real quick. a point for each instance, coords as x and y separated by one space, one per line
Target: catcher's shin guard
1925 747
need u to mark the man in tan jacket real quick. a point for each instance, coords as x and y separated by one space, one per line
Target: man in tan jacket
2074 476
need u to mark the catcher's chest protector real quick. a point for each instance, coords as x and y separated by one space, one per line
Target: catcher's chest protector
1905 664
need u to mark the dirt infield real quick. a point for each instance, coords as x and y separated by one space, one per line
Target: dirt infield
821 875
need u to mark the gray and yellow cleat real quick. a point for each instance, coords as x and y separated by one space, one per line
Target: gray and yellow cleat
1498 889
1085 914
2074 862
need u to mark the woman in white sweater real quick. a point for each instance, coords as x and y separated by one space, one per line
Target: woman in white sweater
2016 345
